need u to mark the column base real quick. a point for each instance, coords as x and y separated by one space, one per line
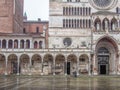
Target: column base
6 73
30 74
95 73
18 74
65 74
42 74
54 74
78 74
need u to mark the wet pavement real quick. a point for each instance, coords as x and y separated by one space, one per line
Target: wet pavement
59 83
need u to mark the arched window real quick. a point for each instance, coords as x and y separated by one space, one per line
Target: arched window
3 43
0 44
72 11
72 23
10 44
83 23
67 10
80 21
37 29
89 11
86 23
78 25
117 10
63 23
35 44
67 23
83 11
105 24
89 23
114 24
75 23
22 44
27 43
24 30
97 24
40 44
77 10
16 44
63 10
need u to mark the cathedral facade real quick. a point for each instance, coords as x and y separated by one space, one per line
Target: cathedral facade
89 32
82 36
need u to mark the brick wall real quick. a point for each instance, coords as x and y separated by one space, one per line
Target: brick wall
11 18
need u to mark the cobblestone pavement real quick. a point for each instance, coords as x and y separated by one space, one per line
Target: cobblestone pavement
59 83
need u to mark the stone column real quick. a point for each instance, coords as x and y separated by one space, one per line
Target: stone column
18 44
7 44
119 65
118 22
24 44
78 65
54 65
42 73
6 65
30 64
66 65
13 44
89 66
18 65
31 44
94 66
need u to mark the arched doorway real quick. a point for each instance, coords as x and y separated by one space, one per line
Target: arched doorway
59 64
103 60
12 64
48 66
84 64
36 68
25 64
2 64
71 64
106 56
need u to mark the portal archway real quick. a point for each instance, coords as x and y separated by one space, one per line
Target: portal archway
106 56
71 64
84 64
36 67
25 64
59 64
2 64
12 64
48 64
103 60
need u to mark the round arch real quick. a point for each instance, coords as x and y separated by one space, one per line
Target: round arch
59 58
71 64
25 64
84 64
59 64
114 24
97 24
12 64
2 64
36 68
48 64
72 58
103 45
110 39
105 24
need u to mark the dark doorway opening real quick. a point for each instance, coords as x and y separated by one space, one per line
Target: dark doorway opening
14 67
68 68
103 69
